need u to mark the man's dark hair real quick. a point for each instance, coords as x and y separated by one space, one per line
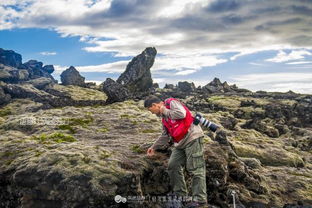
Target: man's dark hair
150 100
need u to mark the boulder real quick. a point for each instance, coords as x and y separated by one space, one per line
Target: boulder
262 127
186 86
216 86
115 91
34 68
10 58
40 83
27 91
72 77
137 76
11 74
48 68
169 86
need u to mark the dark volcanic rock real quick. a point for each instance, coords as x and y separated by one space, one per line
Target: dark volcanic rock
186 86
12 75
10 58
115 91
216 86
4 98
40 83
137 77
27 91
48 68
260 126
72 77
36 70
169 86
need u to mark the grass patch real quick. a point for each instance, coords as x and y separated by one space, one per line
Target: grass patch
136 148
270 156
55 137
86 159
67 127
80 121
225 101
127 116
105 154
103 130
5 112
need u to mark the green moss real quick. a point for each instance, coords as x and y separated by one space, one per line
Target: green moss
5 112
104 154
80 121
38 153
146 131
54 137
86 159
136 148
127 116
67 127
103 130
225 101
270 156
134 122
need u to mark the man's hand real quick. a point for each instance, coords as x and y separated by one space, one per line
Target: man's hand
150 151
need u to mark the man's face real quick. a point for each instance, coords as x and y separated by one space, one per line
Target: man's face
155 108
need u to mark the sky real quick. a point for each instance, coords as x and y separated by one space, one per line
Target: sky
255 44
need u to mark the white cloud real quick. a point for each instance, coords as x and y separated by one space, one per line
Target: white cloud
299 62
293 86
173 27
97 82
293 55
188 62
298 82
46 53
183 65
256 64
114 67
186 72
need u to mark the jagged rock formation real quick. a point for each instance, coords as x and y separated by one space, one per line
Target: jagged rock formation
215 86
137 76
72 77
135 82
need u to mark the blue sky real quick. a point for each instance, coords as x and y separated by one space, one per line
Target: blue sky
258 45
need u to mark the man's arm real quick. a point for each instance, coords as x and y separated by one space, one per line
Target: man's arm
176 110
163 141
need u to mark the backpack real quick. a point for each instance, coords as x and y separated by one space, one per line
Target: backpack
178 128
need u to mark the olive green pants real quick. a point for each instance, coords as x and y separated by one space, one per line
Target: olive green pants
193 159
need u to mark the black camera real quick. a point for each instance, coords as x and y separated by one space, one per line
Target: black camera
199 119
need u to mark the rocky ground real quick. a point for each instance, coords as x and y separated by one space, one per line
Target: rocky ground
96 152
76 144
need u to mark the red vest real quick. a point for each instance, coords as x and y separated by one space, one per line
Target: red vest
178 128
